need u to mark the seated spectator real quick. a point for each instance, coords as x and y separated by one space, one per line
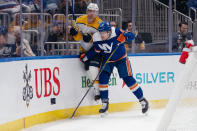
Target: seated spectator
70 37
57 33
113 24
6 50
33 23
36 4
16 20
72 46
80 7
12 6
179 38
140 44
27 51
62 7
51 8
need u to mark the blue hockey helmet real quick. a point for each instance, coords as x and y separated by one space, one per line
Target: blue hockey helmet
3 30
104 26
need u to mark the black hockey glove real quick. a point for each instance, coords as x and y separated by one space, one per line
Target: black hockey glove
85 60
73 31
87 37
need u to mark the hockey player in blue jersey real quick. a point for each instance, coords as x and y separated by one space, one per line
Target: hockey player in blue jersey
104 42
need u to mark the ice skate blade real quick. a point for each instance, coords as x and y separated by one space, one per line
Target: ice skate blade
104 114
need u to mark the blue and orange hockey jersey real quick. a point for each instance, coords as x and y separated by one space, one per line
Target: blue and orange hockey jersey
106 47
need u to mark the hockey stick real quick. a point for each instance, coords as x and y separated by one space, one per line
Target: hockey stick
73 10
73 15
94 81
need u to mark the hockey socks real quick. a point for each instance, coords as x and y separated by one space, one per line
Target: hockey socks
133 86
104 95
138 93
96 91
104 98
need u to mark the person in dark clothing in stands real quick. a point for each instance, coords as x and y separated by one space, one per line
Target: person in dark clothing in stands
6 50
62 7
57 33
179 38
140 44
80 7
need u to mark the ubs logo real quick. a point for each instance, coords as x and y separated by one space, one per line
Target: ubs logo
27 90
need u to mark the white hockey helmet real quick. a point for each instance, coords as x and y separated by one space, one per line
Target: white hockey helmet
93 6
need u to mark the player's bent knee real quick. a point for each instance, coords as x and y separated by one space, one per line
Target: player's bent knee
129 81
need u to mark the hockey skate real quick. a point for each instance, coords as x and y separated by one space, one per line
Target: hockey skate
145 106
104 108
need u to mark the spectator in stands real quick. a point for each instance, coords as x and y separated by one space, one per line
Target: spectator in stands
179 38
62 7
27 51
72 47
36 4
6 50
80 7
70 37
113 24
192 3
16 21
57 33
12 6
33 23
140 44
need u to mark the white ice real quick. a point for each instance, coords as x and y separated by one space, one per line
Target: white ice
119 121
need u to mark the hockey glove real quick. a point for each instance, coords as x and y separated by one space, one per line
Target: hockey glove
84 59
73 31
129 36
87 37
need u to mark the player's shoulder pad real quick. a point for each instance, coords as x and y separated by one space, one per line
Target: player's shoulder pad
82 19
98 20
96 23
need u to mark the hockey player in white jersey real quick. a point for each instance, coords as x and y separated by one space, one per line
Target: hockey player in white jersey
86 26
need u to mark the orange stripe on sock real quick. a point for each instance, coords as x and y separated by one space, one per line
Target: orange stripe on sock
103 86
134 86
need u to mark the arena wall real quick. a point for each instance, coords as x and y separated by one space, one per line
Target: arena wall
37 90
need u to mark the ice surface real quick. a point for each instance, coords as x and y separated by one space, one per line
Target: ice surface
120 121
